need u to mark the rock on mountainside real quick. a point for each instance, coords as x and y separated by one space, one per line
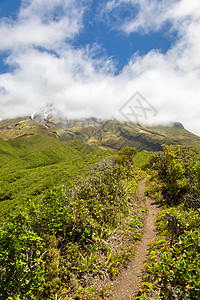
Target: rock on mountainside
104 133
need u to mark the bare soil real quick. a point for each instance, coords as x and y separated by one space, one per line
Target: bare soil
126 286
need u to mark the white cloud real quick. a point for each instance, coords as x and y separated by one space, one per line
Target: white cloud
186 8
81 85
37 25
147 15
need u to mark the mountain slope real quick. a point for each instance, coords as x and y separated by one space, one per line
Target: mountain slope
110 134
117 135
31 164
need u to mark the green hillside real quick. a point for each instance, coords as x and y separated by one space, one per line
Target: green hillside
71 214
63 245
72 242
29 165
38 154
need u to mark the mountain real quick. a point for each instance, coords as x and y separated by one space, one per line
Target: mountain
102 133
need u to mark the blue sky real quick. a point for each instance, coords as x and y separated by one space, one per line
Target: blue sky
9 8
120 47
116 44
89 57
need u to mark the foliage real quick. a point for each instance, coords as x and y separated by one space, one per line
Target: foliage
21 253
141 159
173 268
178 269
29 166
178 170
153 187
59 244
125 156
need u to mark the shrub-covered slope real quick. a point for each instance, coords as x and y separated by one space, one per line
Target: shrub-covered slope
31 164
173 267
66 246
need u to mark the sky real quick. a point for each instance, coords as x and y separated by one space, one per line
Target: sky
135 60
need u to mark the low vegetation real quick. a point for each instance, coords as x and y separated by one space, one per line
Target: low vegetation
173 267
72 239
29 166
70 216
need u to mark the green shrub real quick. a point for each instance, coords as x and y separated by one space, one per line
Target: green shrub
48 250
176 272
21 256
178 170
173 266
125 156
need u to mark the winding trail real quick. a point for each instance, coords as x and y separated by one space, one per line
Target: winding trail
125 287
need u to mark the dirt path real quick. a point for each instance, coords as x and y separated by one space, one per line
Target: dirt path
127 284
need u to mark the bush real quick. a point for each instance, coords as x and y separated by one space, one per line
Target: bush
173 266
21 256
178 170
125 156
47 250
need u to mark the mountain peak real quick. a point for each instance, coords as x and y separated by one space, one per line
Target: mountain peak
46 113
178 125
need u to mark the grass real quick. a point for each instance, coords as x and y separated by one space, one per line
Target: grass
141 158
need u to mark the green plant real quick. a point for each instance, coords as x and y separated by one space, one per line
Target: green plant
178 171
172 269
176 274
33 164
125 156
63 235
22 253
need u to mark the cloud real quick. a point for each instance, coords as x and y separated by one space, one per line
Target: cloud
146 16
68 78
41 23
47 68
